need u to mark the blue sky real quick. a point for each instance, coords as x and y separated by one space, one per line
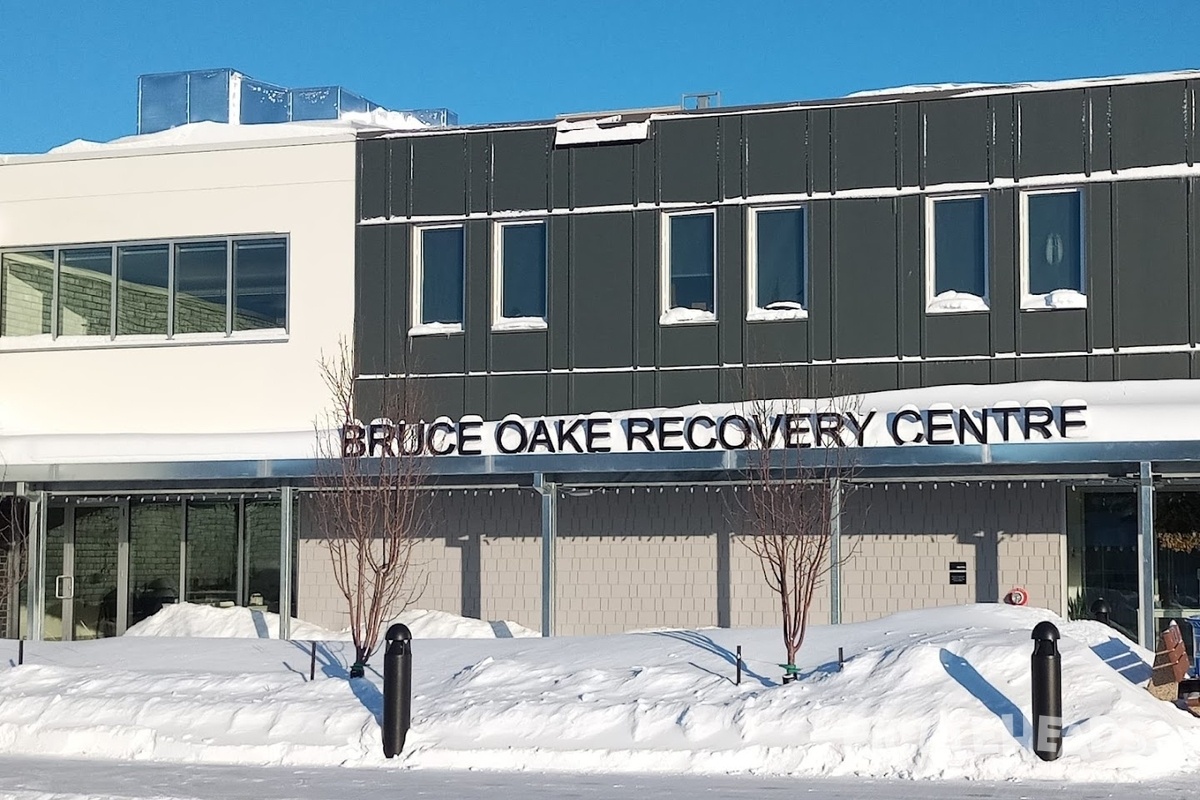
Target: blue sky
69 69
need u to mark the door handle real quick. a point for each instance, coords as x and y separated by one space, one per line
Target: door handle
64 587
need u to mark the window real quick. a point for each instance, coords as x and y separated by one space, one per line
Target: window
957 246
777 283
213 286
520 277
259 284
438 265
1052 263
689 259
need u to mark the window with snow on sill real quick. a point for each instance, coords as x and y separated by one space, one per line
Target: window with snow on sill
682 316
951 301
782 310
519 324
435 328
1059 298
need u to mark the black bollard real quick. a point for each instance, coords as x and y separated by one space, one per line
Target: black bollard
739 665
1046 673
20 652
397 688
1100 611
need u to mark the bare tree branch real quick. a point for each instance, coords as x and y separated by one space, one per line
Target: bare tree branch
369 506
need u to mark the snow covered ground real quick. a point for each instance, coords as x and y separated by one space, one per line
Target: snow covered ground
936 694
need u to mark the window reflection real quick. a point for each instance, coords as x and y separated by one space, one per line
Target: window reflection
26 293
260 284
85 292
142 289
524 271
201 287
691 256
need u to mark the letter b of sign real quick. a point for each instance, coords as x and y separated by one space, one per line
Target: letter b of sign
354 442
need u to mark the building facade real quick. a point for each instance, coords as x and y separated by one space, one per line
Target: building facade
1001 281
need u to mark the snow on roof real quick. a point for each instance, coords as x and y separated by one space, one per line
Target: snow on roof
1065 83
202 135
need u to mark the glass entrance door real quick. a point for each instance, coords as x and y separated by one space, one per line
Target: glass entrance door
84 573
1109 557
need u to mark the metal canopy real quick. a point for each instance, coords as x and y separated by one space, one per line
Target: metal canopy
973 462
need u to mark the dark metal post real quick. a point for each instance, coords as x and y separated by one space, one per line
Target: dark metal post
841 659
739 665
312 665
1046 673
397 688
1100 611
20 652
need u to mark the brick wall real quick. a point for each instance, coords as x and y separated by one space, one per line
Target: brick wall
643 558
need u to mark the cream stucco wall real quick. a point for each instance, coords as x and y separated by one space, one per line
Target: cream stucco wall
301 188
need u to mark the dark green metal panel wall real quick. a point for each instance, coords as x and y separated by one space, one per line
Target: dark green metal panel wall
604 348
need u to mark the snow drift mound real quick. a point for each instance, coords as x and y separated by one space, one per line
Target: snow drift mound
188 619
940 693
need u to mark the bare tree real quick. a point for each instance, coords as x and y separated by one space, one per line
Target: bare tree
796 484
369 506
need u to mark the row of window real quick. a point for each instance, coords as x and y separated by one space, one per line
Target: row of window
215 286
1052 263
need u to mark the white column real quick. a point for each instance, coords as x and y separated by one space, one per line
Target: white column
287 495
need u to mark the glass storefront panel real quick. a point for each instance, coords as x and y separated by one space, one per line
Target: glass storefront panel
26 293
154 536
212 553
1177 532
262 554
1109 557
142 289
85 286
97 531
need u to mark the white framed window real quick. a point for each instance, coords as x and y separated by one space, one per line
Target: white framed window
689 257
1053 268
777 263
519 276
956 248
439 264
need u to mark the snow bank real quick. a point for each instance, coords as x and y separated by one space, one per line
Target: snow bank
924 694
188 619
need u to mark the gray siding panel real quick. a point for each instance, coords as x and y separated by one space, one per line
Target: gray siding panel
1150 262
1054 132
479 294
957 140
777 342
442 396
944 373
687 345
957 335
475 395
1004 282
559 289
1148 124
602 175
688 156
602 317
520 170
518 351
820 157
730 138
439 182
1153 366
603 391
1004 144
773 382
372 178
524 395
645 287
864 278
820 280
370 311
1097 209
560 178
1072 368
684 387
776 152
479 171
908 144
1063 329
438 354
864 139
910 287
852 379
399 164
731 282
395 325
